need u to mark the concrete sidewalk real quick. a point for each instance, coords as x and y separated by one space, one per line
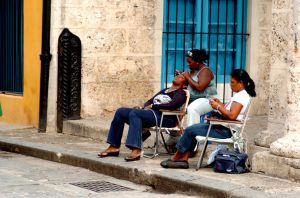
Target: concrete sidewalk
82 152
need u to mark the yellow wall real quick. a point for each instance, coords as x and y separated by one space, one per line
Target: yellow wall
25 109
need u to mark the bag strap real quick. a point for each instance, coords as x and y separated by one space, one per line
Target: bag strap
155 117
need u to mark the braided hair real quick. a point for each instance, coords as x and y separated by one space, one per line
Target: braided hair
242 75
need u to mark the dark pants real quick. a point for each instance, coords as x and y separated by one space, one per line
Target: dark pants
136 119
188 141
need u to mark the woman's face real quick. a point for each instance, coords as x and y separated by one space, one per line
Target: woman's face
191 63
235 85
179 80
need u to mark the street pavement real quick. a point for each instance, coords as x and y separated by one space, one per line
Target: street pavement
82 152
24 176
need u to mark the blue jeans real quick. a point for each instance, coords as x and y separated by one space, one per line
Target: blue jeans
136 119
187 142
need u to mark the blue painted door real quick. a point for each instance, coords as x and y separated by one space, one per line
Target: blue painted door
219 26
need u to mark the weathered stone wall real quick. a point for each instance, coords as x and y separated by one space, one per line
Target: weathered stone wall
121 52
282 49
283 157
121 48
259 52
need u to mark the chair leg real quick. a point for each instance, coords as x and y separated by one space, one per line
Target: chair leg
196 147
203 150
156 143
164 142
155 153
157 132
202 155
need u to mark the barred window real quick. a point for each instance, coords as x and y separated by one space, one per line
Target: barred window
11 46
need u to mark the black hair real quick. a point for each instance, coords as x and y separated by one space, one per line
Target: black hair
197 55
242 75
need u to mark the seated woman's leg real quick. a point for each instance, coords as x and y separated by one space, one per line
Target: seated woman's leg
117 126
139 118
188 142
115 132
197 108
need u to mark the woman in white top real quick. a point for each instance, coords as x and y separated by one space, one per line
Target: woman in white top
244 88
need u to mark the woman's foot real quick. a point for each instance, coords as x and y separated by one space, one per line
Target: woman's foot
134 155
179 160
110 151
182 164
181 156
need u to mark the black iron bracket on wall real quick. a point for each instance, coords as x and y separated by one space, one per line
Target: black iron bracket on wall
69 78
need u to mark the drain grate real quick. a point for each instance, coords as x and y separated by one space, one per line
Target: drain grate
101 186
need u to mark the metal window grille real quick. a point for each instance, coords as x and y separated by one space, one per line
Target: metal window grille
218 26
11 46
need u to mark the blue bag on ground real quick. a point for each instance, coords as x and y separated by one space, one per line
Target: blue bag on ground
230 161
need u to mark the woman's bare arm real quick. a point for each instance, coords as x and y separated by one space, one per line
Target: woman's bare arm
204 78
231 114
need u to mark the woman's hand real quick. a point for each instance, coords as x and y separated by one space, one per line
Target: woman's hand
148 107
216 100
137 107
177 72
186 74
215 103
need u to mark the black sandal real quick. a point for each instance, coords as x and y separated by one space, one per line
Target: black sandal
109 154
131 158
175 164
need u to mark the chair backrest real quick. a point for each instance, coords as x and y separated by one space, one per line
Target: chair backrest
183 108
246 116
238 135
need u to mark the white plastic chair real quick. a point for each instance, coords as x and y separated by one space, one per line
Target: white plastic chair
160 129
237 136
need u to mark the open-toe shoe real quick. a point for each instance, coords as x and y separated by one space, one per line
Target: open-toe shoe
130 158
109 154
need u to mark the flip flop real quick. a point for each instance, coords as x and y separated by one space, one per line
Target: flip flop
109 154
132 158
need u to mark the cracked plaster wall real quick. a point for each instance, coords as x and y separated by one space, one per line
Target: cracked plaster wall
121 52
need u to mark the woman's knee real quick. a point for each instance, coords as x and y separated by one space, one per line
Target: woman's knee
189 130
191 109
197 129
134 113
122 112
198 104
119 111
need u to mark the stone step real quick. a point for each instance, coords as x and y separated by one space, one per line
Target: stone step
97 129
252 149
94 128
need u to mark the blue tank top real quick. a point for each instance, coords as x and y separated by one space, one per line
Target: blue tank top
209 91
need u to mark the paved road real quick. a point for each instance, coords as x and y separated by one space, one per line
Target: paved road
23 176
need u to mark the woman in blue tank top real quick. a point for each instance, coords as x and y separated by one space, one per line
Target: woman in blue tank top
201 85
